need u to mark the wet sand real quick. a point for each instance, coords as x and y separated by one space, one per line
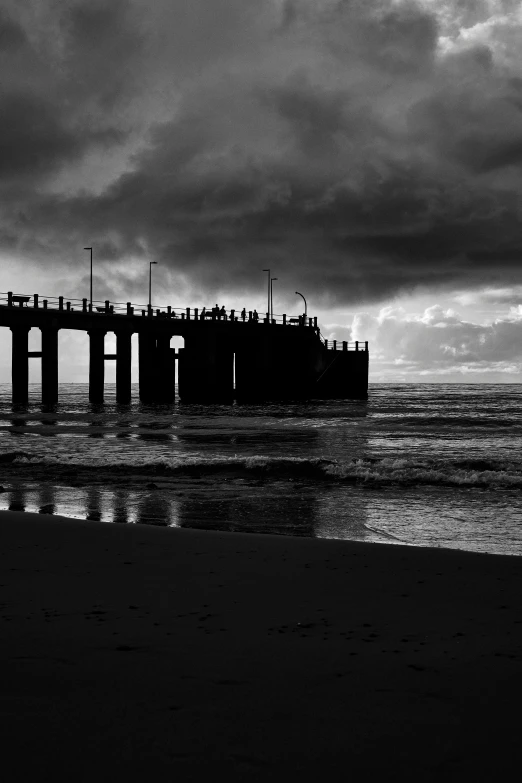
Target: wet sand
132 653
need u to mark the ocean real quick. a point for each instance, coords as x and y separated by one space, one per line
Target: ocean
417 464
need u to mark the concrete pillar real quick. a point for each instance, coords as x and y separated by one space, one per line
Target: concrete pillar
123 366
250 374
96 365
206 369
165 370
49 365
147 366
276 366
224 377
20 364
254 365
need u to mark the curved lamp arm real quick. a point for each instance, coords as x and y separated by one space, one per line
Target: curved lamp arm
304 300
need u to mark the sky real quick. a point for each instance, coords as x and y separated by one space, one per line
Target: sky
368 151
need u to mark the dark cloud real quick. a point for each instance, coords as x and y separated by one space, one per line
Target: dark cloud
474 117
102 50
58 79
12 35
336 140
36 138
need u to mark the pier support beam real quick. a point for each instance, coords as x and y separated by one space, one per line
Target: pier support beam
96 365
165 370
49 365
123 366
206 370
147 366
20 364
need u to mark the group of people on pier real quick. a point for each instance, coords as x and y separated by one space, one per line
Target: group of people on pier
219 313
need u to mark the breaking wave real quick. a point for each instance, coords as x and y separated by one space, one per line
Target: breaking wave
486 474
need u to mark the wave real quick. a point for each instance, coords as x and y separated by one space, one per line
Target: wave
487 474
463 422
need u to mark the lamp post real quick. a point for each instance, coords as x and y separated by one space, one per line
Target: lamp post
268 306
306 310
272 299
150 282
90 303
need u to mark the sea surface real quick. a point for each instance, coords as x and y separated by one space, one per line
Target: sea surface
418 464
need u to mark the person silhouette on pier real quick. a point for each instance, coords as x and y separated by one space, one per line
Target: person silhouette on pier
255 316
243 314
223 313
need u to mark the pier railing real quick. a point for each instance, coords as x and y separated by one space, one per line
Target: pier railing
102 308
108 307
344 345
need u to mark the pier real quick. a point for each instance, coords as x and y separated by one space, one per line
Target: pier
228 355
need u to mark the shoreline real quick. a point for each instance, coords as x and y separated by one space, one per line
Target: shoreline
129 652
381 538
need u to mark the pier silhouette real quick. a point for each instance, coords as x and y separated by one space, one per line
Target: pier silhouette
228 354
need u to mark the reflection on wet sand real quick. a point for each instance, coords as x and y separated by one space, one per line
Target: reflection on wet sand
46 500
227 503
120 511
93 505
250 506
17 499
157 508
343 513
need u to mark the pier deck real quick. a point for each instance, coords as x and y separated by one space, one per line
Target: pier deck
227 355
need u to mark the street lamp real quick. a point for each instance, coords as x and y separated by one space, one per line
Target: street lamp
272 299
306 310
268 306
90 304
150 282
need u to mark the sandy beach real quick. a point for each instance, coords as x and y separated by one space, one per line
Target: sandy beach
131 652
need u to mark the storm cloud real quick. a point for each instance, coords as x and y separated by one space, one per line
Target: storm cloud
362 148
